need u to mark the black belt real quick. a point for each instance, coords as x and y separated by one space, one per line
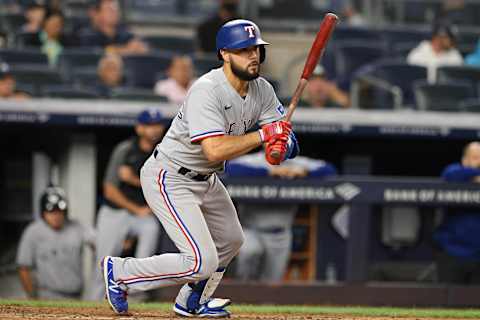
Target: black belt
187 172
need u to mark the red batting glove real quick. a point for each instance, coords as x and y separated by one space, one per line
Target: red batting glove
272 130
279 146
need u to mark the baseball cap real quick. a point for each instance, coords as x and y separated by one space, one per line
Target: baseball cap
150 116
319 71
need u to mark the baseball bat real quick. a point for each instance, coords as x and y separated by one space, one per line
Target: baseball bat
315 54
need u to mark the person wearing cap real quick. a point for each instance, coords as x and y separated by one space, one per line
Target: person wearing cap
124 212
8 85
439 51
50 253
321 92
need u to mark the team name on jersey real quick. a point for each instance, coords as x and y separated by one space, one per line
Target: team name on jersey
237 129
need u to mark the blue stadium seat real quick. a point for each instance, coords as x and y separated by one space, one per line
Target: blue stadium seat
394 37
171 43
401 75
203 64
137 94
351 55
470 105
465 74
143 69
74 59
441 97
84 77
68 92
37 76
350 33
19 56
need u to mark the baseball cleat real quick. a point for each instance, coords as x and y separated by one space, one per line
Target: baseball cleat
116 297
213 308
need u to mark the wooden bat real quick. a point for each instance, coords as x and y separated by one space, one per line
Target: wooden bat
316 52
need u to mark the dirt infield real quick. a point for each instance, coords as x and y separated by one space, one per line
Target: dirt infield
12 312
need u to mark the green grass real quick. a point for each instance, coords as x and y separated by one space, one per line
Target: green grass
269 309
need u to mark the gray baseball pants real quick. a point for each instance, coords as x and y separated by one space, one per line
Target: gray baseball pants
198 216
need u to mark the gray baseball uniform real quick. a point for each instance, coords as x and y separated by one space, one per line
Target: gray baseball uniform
114 224
55 257
196 211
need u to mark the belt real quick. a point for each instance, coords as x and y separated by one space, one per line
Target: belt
187 172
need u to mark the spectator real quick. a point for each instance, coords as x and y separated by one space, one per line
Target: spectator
125 212
51 39
207 30
438 51
268 227
105 31
50 253
473 59
34 15
457 237
348 13
180 78
110 74
322 92
8 85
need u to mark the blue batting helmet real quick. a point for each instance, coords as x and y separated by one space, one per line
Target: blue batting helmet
239 34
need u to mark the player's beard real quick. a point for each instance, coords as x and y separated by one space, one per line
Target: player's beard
243 74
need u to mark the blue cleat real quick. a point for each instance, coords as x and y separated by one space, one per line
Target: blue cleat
213 308
117 298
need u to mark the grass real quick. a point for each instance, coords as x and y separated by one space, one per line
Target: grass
269 309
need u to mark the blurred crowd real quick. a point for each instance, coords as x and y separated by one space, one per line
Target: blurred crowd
99 57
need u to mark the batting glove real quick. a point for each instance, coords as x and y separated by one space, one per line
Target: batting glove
273 130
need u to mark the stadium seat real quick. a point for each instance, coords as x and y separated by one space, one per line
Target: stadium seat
346 33
470 105
21 56
386 84
182 45
12 21
74 59
402 38
37 76
442 96
143 69
137 94
204 64
466 74
85 76
68 92
351 55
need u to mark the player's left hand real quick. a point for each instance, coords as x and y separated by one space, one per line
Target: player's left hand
286 146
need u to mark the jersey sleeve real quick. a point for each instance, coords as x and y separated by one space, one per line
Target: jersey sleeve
117 158
204 115
26 248
272 110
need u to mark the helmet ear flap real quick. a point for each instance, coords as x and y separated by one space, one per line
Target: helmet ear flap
262 53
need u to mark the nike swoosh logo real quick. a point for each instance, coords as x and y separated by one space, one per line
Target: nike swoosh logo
228 107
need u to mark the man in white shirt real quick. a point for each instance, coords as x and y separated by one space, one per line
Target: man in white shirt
180 78
438 51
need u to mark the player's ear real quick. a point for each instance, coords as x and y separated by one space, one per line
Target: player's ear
225 55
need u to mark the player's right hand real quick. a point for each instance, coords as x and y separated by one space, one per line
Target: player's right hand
270 132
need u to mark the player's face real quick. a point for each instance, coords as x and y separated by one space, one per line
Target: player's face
245 63
55 219
151 132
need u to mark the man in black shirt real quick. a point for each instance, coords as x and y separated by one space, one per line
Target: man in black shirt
105 31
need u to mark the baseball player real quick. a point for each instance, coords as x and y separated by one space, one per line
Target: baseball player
268 227
181 186
49 256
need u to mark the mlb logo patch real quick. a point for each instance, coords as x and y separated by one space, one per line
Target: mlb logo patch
281 110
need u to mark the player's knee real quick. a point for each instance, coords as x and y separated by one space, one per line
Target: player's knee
209 265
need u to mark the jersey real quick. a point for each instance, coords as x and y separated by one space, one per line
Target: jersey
55 256
214 108
126 153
